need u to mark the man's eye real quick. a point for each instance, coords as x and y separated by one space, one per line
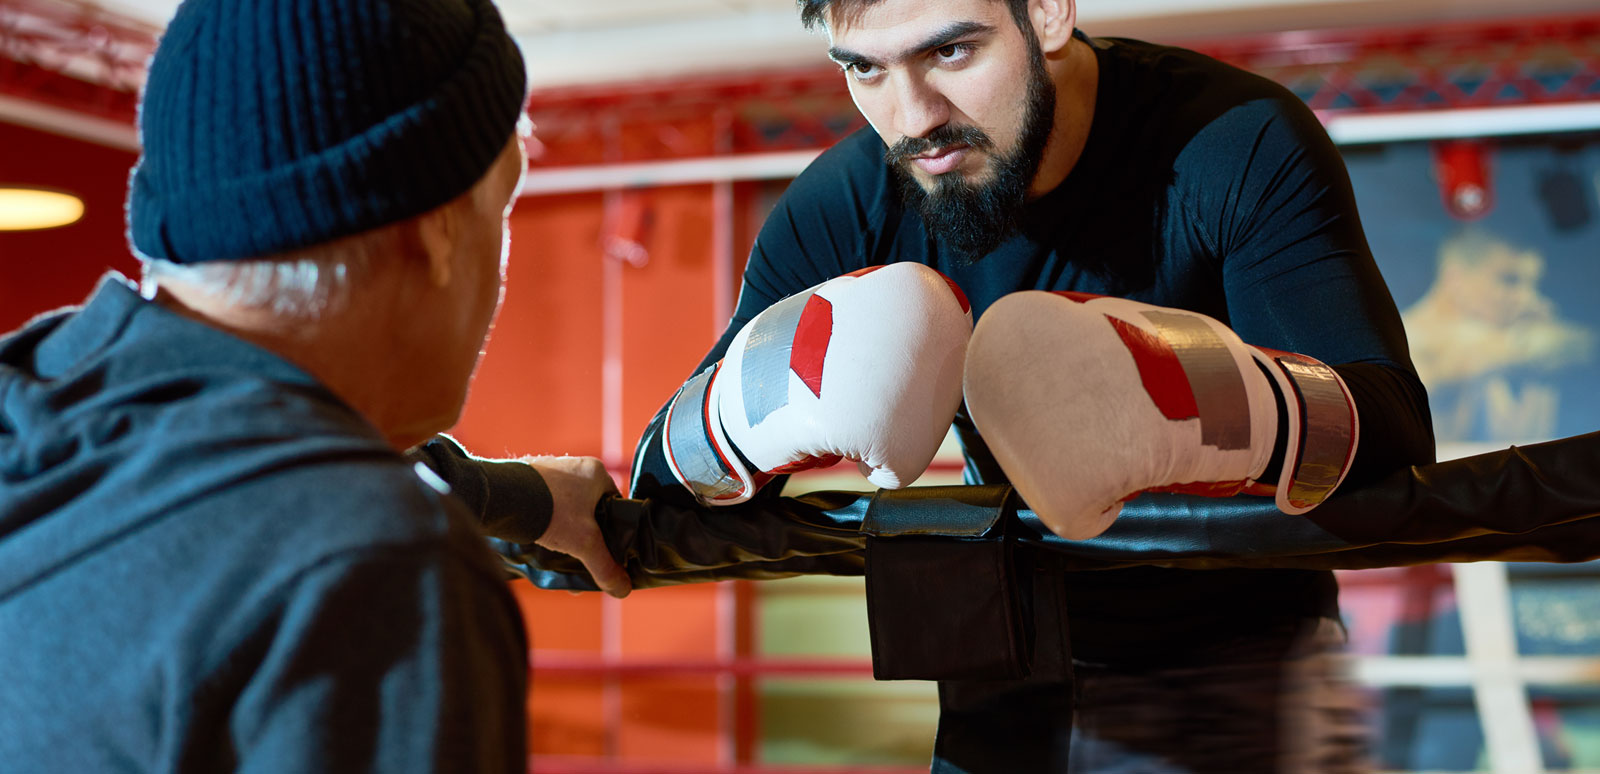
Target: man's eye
862 71
954 52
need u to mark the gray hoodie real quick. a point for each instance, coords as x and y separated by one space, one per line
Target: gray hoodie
210 563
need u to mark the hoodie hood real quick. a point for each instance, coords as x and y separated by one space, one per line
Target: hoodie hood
113 413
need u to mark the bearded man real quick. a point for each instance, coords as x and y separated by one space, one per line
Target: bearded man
1013 153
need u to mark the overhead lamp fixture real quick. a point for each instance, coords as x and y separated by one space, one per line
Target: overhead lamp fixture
26 208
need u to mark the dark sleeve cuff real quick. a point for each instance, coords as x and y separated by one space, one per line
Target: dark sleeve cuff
1396 426
509 498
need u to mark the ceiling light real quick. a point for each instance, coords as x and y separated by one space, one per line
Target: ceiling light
23 209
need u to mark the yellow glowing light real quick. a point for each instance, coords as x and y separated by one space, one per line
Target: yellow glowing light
22 209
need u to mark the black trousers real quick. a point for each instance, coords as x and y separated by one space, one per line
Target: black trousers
1279 704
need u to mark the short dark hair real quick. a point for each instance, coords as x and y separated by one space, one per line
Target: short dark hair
812 11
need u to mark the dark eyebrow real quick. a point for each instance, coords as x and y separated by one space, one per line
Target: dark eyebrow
951 33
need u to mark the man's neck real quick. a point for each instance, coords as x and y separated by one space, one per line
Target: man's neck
333 349
1075 71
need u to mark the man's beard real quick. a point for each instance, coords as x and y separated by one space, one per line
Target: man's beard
972 219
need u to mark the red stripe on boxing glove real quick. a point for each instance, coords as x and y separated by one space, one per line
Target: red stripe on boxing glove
1087 401
866 367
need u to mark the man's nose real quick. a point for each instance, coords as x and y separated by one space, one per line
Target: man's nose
919 108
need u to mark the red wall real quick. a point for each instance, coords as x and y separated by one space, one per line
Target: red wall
539 387
539 390
42 270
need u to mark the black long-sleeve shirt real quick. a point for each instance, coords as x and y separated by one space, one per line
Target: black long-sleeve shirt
1200 187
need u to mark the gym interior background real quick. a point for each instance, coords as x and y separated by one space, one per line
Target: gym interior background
667 128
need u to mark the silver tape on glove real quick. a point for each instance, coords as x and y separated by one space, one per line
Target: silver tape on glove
691 449
1219 391
764 381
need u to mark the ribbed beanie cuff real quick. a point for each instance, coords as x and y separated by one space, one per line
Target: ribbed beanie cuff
270 125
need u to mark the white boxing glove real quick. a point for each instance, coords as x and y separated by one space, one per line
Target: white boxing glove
1087 401
866 367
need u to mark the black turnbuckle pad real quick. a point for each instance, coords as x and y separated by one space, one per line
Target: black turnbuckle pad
946 597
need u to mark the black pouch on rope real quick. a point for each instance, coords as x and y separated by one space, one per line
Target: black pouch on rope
948 590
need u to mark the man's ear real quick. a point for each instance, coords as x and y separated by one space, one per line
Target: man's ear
1053 22
436 232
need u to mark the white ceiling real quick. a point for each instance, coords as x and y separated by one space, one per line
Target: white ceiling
578 42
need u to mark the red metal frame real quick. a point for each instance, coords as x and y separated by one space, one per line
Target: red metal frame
550 764
74 55
746 700
1468 64
557 662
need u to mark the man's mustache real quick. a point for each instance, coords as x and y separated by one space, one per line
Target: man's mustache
941 137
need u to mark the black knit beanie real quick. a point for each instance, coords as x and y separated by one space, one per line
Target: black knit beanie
270 125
